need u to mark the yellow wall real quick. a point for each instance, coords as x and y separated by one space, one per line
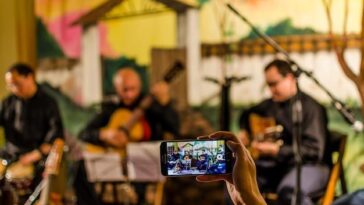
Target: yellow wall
135 36
17 36
8 51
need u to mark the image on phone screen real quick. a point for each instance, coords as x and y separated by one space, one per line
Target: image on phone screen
198 157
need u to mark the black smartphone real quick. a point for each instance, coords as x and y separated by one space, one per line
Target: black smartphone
195 157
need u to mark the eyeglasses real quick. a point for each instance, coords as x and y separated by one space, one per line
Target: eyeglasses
13 85
274 83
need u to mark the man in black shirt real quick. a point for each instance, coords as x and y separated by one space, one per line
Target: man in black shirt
276 165
30 118
31 122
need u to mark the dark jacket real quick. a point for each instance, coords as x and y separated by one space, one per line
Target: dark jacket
314 128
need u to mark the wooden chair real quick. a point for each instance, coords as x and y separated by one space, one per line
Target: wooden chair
337 144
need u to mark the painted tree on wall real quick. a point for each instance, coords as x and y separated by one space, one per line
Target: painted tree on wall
284 27
339 45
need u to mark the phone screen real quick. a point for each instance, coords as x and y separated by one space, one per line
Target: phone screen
198 157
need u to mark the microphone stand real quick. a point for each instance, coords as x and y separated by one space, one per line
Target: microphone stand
297 106
225 111
297 119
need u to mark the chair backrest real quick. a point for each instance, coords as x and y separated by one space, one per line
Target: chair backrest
337 143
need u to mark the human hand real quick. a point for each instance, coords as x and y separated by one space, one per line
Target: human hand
266 148
160 91
45 148
241 183
114 137
30 157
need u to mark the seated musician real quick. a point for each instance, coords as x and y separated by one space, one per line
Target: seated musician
158 117
275 161
31 121
202 162
107 128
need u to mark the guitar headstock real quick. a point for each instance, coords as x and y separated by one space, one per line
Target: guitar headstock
173 71
54 158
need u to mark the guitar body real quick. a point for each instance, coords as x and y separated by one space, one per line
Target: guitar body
263 129
259 126
120 117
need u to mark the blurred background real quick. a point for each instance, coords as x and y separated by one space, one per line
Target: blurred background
77 45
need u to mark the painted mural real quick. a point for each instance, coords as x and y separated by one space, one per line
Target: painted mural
118 37
306 15
58 15
134 36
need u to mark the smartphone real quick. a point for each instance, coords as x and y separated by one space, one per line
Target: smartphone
195 157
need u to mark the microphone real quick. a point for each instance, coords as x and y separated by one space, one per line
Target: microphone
348 116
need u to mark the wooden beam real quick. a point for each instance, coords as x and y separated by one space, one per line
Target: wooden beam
97 13
177 5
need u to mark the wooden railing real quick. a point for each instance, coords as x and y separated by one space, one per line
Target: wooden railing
292 43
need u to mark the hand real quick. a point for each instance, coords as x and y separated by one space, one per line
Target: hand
45 148
114 137
266 148
161 92
241 184
30 157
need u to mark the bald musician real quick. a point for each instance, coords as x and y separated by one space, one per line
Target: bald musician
157 118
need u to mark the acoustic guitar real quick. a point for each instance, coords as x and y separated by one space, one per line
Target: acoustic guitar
129 121
264 129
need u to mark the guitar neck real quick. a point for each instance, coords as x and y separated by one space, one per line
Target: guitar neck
138 112
52 168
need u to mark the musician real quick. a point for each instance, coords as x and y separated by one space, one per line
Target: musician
30 118
276 165
31 121
158 118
